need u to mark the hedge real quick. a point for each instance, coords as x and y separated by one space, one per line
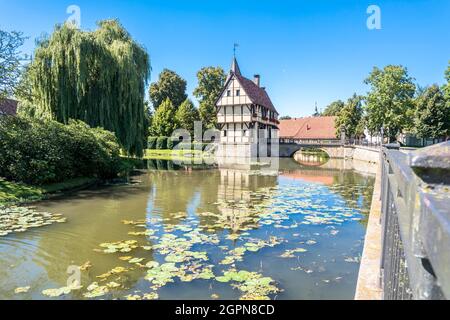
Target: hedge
169 143
152 143
43 151
161 143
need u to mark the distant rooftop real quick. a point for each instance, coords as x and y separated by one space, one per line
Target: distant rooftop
314 128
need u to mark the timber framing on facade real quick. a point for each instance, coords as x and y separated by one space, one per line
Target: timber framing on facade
245 112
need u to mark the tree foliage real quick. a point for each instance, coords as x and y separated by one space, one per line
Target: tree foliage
11 60
98 77
169 86
210 84
447 87
390 102
350 118
432 114
164 121
186 115
45 151
333 109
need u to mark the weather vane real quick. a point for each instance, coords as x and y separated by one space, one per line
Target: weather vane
236 45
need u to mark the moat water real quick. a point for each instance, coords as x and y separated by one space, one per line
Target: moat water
199 233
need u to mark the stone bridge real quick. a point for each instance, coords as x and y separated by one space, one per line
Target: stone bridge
335 151
288 150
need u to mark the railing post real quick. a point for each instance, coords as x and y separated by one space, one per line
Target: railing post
416 222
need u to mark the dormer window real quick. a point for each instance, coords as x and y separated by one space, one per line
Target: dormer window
238 93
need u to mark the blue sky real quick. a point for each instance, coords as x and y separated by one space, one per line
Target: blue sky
306 51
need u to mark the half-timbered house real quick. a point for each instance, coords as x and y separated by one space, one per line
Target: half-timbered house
247 118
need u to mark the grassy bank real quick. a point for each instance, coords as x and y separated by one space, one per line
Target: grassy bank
16 193
179 155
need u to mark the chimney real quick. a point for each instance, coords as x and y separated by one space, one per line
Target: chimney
257 80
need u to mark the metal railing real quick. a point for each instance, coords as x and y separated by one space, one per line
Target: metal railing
415 223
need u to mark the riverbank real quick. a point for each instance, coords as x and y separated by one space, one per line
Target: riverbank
175 155
369 285
12 193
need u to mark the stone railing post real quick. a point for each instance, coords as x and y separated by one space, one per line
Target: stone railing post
432 164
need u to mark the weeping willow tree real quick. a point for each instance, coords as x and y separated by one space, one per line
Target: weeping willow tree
98 77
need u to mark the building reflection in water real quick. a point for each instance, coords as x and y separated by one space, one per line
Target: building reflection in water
239 195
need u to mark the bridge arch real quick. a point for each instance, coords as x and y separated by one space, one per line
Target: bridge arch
288 150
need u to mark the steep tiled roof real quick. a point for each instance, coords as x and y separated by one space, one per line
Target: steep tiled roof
308 128
256 94
8 107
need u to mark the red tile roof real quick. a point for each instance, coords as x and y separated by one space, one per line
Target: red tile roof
8 107
315 128
256 94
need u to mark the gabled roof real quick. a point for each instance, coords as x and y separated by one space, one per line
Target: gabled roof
256 94
8 107
308 128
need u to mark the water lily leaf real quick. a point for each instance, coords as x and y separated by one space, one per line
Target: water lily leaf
86 266
54 293
152 264
151 296
223 279
135 260
22 290
126 258
113 285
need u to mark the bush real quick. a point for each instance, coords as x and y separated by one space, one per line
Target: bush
161 143
44 151
152 143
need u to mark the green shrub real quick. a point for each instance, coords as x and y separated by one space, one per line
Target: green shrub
44 151
161 143
152 143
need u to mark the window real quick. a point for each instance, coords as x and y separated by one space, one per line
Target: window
224 133
229 93
238 93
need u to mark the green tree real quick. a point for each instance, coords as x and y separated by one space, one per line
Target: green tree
10 62
210 84
333 109
169 86
447 87
350 118
164 122
98 77
390 102
186 115
432 114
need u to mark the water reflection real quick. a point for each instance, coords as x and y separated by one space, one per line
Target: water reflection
311 159
321 209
